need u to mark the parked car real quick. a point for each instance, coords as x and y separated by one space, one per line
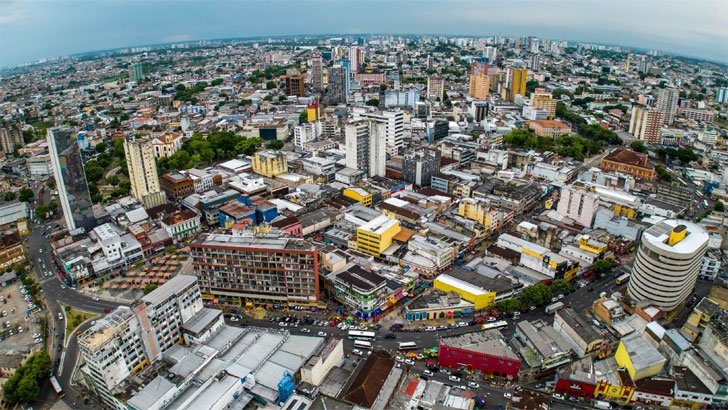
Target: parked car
60 316
305 330
427 372
321 334
473 385
454 378
462 324
358 352
507 395
409 362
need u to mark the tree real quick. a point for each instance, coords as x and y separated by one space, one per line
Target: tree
150 287
638 146
509 305
270 85
101 147
53 205
303 117
663 174
41 212
23 386
276 144
113 180
9 196
26 195
374 102
51 184
536 294
560 286
170 249
719 206
603 267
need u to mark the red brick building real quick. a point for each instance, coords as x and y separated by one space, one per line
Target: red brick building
485 351
177 185
630 162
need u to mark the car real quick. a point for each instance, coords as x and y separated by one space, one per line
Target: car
428 373
59 347
430 329
321 334
5 313
490 319
557 396
234 318
454 378
344 326
532 308
442 327
358 352
462 387
10 333
462 324
409 362
554 299
581 285
36 334
95 298
561 296
60 316
282 324
539 385
590 290
572 398
444 371
399 359
108 310
20 329
473 385
507 395
305 330
63 287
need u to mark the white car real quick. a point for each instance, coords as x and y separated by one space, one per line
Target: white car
462 324
234 319
282 324
20 329
507 395
305 330
358 352
60 316
321 334
454 378
473 385
428 373
430 329
95 298
409 362
490 319
399 359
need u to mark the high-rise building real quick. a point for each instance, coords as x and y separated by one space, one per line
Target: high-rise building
643 64
143 175
536 62
338 84
394 126
317 74
10 136
435 87
136 72
645 124
491 53
375 236
73 193
578 204
305 133
667 263
355 59
420 165
479 81
721 95
544 100
313 111
263 269
667 104
366 146
517 84
294 83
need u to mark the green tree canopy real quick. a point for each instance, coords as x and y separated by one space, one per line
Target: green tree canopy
638 146
719 206
276 144
9 196
26 194
603 266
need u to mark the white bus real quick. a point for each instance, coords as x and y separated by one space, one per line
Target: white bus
361 335
494 325
361 344
622 279
407 346
57 386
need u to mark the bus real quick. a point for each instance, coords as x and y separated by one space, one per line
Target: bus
361 335
407 346
361 344
57 386
494 325
623 279
552 308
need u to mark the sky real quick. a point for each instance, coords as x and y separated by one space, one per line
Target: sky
35 29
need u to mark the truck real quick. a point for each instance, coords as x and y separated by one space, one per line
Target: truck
550 309
599 404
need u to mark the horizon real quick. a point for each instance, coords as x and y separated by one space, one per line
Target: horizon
47 29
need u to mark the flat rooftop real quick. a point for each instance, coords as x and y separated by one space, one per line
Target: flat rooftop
488 342
270 241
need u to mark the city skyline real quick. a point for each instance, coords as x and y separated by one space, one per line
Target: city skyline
33 30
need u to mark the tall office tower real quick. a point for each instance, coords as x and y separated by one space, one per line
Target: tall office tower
429 62
544 100
294 83
317 74
643 64
257 269
365 142
667 103
136 72
394 126
517 83
491 53
355 59
143 172
435 87
645 124
721 95
534 45
479 81
667 263
536 62
10 136
420 165
337 80
68 171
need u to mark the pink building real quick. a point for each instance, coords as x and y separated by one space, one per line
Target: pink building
578 204
290 225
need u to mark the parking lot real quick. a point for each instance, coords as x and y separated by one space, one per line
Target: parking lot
19 324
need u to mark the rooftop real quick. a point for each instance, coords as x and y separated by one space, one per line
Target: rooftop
173 287
489 342
641 353
269 242
659 234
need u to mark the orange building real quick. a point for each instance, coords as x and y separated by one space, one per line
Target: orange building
630 162
479 81
549 128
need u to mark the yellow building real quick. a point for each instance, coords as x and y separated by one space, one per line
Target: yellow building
544 100
625 211
359 194
479 81
480 297
616 392
639 357
270 163
591 245
313 111
699 319
480 211
518 82
377 235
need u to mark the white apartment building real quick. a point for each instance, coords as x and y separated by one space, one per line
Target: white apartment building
39 166
394 126
305 133
143 176
320 166
365 147
578 204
